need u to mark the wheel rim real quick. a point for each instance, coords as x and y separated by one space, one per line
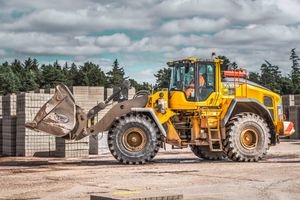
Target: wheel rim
249 138
134 139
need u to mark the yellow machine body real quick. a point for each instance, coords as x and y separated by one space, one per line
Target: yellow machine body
212 111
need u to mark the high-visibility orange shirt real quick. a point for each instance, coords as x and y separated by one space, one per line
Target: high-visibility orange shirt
189 90
201 80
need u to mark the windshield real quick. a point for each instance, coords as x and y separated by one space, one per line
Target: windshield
182 76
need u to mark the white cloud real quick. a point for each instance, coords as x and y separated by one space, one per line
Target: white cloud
84 20
118 39
149 32
194 24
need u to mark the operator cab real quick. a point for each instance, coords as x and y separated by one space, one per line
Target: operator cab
196 78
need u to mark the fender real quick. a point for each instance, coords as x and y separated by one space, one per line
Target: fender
239 105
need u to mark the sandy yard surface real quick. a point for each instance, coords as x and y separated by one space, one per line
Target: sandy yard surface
171 172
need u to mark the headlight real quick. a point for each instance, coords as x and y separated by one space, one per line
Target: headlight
161 104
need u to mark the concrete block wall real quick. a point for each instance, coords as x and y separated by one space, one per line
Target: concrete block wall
1 135
29 142
131 93
70 148
15 139
9 125
102 137
87 98
294 116
291 108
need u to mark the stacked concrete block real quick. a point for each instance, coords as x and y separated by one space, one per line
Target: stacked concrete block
9 125
102 137
102 143
291 108
96 95
131 93
71 149
29 142
15 139
85 97
294 116
297 99
1 117
287 101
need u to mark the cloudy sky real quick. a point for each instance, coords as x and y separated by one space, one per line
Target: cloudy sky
145 34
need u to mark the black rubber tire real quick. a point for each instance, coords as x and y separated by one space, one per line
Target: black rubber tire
233 145
205 153
152 144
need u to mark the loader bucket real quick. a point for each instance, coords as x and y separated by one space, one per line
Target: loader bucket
59 116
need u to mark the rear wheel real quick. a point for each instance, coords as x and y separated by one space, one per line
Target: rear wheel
205 153
134 139
248 137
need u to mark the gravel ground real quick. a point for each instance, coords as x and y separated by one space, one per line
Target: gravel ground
172 172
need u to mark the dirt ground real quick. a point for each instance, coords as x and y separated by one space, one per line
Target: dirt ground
172 172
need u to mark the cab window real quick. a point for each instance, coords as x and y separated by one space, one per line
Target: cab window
206 80
183 79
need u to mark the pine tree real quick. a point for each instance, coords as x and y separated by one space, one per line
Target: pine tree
270 76
31 77
254 77
91 75
52 75
17 67
226 63
74 76
295 73
286 86
163 78
116 76
137 85
9 81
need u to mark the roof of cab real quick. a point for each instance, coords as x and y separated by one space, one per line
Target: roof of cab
193 60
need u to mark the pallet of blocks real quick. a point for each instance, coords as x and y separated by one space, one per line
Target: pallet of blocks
29 142
96 95
71 148
1 117
87 98
294 116
287 101
297 99
9 125
131 93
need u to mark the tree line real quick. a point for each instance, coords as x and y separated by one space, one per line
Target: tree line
270 76
29 75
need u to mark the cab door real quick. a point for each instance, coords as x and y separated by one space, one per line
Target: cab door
209 85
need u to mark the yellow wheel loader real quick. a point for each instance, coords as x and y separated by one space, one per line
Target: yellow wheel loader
217 114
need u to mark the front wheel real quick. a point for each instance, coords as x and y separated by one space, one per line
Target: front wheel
248 137
134 139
